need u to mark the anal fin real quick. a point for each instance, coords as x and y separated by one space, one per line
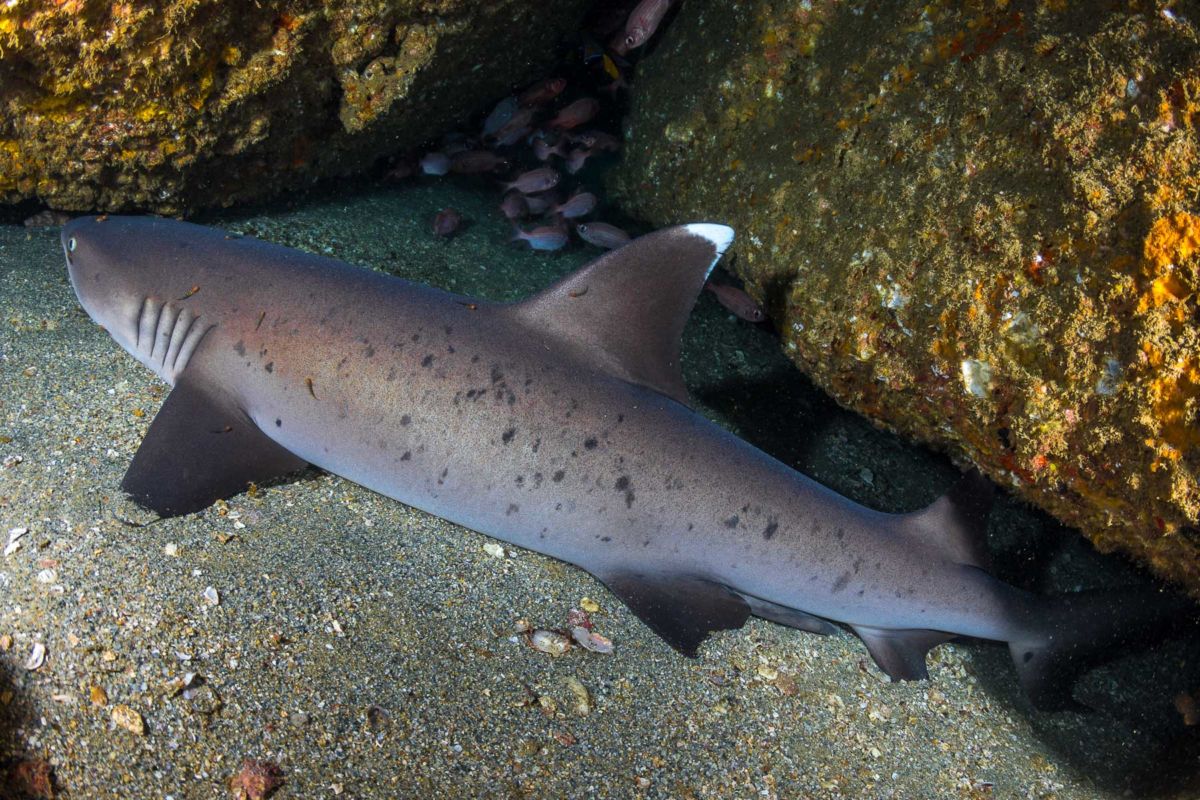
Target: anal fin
201 448
901 653
682 609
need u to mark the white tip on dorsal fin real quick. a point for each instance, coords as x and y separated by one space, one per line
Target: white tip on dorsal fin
720 235
624 312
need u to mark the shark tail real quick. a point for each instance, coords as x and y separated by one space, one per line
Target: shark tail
1072 633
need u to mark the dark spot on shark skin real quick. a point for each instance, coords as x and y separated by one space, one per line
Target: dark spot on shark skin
270 367
475 359
391 376
442 477
858 565
606 538
622 485
769 531
343 362
416 337
520 480
861 592
590 443
691 525
841 582
536 444
497 376
746 508
512 509
240 348
407 455
405 420
278 423
841 534
558 476
370 351
450 349
449 329
508 435
732 522
427 361
620 418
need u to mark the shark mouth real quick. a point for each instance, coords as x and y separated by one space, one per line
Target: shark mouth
165 336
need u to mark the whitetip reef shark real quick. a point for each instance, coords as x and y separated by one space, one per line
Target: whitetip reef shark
559 423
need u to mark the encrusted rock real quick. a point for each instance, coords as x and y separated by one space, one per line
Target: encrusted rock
976 224
177 105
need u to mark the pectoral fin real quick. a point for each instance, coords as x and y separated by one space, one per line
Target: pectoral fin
682 609
901 653
201 448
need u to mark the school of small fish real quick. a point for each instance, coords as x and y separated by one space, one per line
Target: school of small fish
534 140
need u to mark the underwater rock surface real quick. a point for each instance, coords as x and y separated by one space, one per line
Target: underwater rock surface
976 225
170 107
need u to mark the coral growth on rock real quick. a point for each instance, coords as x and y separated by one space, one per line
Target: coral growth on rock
183 104
975 223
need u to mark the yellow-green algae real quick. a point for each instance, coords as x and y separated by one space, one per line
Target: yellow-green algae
173 106
977 223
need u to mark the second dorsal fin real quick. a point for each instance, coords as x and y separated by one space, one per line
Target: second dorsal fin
956 523
625 311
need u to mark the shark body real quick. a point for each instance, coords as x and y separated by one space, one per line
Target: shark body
559 424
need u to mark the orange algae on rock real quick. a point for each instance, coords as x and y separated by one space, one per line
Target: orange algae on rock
975 223
174 106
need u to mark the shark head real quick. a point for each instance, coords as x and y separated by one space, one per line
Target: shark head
136 293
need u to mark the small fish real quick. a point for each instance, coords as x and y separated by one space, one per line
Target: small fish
514 206
516 128
535 180
542 92
435 163
601 234
472 162
541 203
579 204
577 158
547 237
447 222
500 115
542 150
48 218
642 23
598 141
734 299
576 114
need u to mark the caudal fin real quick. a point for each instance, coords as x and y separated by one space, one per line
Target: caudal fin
1070 634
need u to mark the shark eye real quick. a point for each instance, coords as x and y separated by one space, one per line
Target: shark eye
71 245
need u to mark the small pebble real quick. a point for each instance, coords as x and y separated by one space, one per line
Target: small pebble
125 717
549 642
37 657
210 594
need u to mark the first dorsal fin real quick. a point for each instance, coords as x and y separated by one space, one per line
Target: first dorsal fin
625 311
956 523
